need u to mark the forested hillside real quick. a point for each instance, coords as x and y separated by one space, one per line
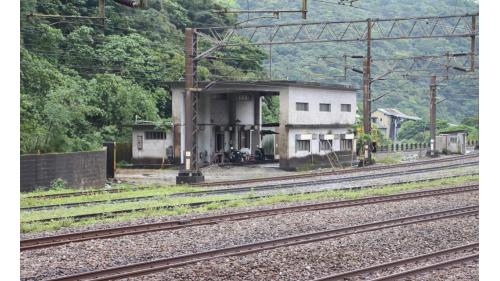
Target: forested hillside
302 61
83 82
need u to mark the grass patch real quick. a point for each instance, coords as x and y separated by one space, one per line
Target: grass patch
155 190
390 158
236 201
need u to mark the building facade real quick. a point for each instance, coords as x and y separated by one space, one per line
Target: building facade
452 142
315 120
150 144
389 120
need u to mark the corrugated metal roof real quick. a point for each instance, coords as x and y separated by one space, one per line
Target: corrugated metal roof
396 113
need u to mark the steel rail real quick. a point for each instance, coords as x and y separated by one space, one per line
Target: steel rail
318 182
338 172
50 241
191 205
142 268
278 178
194 204
407 261
133 199
446 263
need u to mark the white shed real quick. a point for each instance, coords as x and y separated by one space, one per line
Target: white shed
452 141
151 144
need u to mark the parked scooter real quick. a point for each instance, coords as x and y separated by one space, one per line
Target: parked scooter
259 154
234 156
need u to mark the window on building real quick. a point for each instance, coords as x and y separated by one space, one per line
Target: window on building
245 139
345 107
156 135
302 106
325 145
219 142
303 145
453 139
139 142
325 107
345 145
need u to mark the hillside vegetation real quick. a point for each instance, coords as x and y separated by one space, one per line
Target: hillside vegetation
83 82
302 61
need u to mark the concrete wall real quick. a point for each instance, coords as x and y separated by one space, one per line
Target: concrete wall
178 122
216 110
443 142
78 169
316 96
152 150
313 121
383 121
314 143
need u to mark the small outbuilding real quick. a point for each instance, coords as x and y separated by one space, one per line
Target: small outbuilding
151 144
452 141
389 120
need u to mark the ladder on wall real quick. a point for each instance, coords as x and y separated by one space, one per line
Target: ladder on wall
333 159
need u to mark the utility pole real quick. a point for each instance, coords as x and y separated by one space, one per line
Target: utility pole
189 173
102 10
433 115
367 126
473 44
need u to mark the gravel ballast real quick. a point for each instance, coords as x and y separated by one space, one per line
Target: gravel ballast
100 254
315 260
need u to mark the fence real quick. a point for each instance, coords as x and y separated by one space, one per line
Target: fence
413 146
78 169
124 152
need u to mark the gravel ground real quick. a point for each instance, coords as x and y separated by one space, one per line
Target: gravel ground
216 173
90 255
465 271
359 173
156 219
315 260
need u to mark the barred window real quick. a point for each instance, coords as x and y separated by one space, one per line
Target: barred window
302 106
325 145
345 145
345 107
302 145
325 107
139 142
156 135
453 139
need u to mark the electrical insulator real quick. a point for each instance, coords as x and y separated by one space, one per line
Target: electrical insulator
304 9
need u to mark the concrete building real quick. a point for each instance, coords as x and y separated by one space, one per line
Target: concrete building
315 119
452 141
150 144
389 120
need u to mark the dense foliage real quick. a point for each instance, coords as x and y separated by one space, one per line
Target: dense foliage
83 83
302 61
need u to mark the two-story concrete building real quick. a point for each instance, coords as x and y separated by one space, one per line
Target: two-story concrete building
315 120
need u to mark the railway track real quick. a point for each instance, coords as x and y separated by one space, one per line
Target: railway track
50 241
337 172
156 197
420 263
318 182
171 207
138 269
237 190
270 179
